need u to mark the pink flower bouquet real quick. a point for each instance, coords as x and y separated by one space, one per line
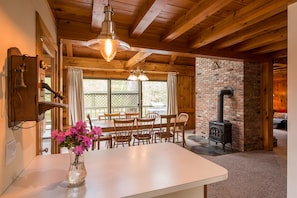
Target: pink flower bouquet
78 138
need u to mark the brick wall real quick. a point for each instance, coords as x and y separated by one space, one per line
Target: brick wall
242 109
252 104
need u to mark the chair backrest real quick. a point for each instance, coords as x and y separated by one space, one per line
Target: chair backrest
183 117
145 125
129 115
154 115
90 121
168 120
123 127
112 116
101 117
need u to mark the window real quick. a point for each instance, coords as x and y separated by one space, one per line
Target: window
95 96
154 97
124 96
101 96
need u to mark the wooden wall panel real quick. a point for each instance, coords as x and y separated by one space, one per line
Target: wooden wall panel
266 105
186 98
280 91
94 68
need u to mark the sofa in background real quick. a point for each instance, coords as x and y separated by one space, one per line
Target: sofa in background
280 119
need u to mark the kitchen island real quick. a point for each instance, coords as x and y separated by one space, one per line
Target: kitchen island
153 170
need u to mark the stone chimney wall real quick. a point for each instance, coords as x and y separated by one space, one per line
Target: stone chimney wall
242 109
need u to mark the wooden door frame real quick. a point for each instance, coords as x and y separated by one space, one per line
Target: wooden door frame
267 105
44 41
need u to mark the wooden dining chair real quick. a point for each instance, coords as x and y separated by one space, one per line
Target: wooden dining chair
101 117
123 129
153 115
167 122
144 130
182 117
157 121
130 115
104 137
112 116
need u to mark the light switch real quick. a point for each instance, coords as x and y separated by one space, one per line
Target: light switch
10 151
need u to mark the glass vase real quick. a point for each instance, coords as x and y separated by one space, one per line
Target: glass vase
77 171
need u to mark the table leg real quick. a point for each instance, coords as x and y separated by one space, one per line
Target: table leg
183 131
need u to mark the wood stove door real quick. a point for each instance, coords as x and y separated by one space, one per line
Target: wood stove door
216 133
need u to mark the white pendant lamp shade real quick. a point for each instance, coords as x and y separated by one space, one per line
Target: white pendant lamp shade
132 76
138 75
107 41
142 76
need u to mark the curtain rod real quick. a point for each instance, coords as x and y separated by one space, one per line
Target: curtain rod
118 70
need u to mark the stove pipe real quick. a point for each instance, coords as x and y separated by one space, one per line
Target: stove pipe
226 91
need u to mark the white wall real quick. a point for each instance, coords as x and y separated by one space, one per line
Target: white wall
17 19
292 102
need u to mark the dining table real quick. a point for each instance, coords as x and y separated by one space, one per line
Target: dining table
107 126
152 170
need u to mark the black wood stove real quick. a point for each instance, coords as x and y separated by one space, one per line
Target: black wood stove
220 131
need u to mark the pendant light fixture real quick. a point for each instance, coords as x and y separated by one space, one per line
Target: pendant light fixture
138 75
107 42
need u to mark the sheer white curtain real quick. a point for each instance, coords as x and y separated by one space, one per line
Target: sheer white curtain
76 95
172 93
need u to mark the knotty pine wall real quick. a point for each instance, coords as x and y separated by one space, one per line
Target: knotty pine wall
280 91
185 81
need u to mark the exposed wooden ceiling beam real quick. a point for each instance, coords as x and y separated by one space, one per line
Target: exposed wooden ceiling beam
98 14
172 59
271 48
136 49
178 21
92 63
280 54
263 40
170 49
119 66
197 14
73 42
267 25
147 16
241 19
69 49
137 58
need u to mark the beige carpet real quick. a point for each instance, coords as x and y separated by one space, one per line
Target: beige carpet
256 174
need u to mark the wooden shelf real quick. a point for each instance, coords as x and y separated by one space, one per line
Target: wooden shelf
44 106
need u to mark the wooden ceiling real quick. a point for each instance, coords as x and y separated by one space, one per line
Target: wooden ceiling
177 31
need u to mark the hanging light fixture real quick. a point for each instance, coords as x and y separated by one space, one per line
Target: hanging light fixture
138 75
142 76
132 76
107 42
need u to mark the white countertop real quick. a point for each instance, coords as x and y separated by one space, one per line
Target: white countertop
136 171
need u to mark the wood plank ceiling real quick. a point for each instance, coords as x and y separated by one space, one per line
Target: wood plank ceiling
176 31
